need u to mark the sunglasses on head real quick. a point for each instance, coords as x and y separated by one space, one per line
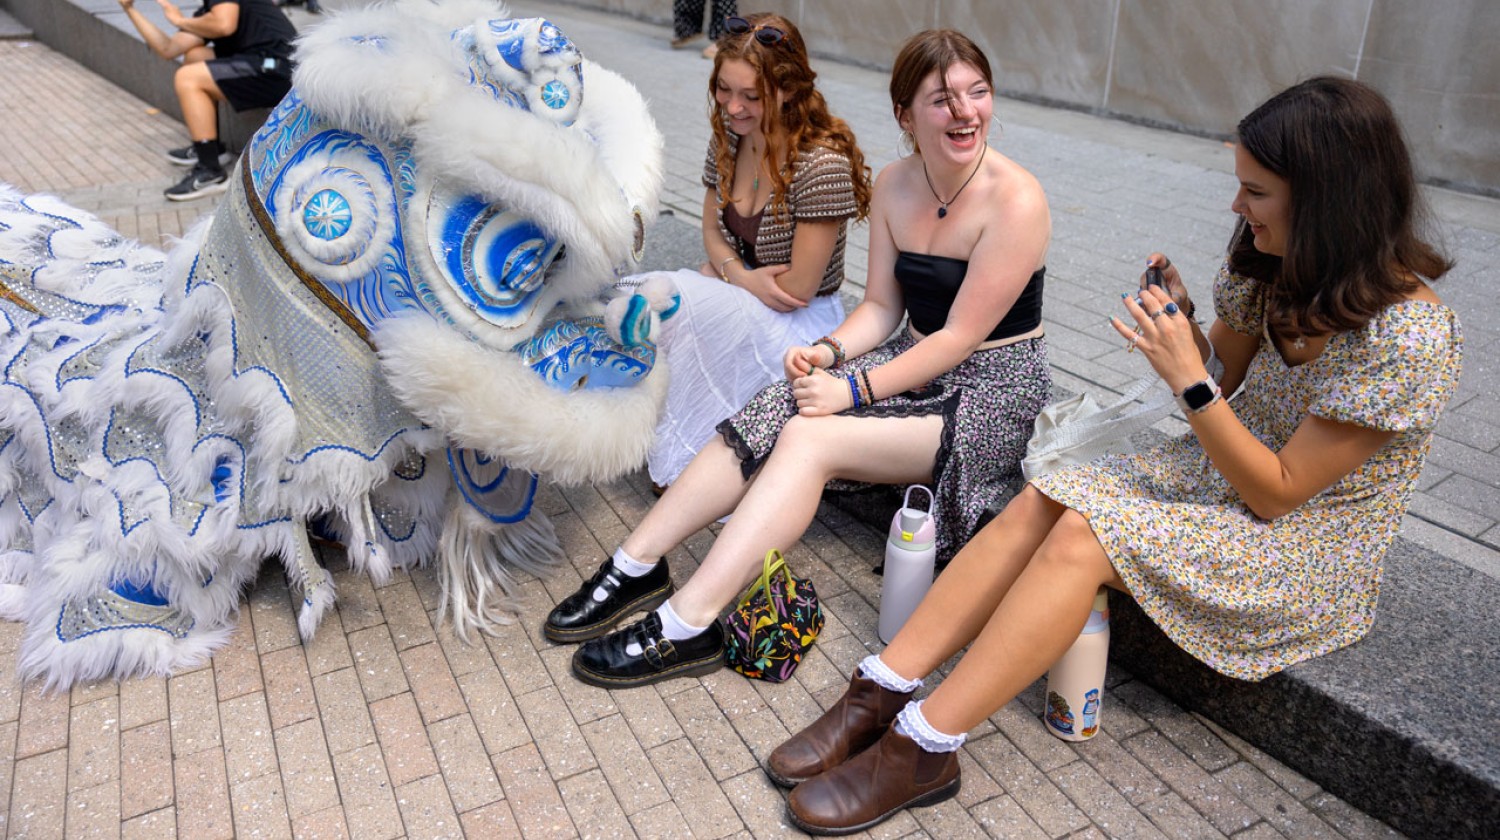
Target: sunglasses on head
765 33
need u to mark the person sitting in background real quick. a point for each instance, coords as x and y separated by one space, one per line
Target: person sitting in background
1255 541
235 51
687 23
958 239
784 177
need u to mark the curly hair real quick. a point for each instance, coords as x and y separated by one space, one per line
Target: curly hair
1353 241
782 69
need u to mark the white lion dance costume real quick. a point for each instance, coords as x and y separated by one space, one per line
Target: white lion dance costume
391 327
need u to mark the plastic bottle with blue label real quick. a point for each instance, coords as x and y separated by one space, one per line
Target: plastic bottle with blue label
1075 685
910 551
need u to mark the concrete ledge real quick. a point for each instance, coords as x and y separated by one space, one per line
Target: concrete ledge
12 29
1401 724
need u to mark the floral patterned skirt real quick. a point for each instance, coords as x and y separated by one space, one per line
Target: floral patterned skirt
989 403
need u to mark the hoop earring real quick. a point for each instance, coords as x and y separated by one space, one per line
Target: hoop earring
906 144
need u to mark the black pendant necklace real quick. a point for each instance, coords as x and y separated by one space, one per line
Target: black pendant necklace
943 205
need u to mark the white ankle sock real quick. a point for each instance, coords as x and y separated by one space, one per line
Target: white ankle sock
881 674
628 566
673 628
913 724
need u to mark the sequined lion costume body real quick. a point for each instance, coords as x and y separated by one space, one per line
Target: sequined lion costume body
394 325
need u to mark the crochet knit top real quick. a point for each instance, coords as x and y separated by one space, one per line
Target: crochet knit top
821 189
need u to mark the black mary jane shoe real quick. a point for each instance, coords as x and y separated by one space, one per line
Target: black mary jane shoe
580 618
607 663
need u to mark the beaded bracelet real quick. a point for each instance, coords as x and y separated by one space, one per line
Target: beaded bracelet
854 389
869 391
835 345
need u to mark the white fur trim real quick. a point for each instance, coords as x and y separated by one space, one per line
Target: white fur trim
477 560
570 438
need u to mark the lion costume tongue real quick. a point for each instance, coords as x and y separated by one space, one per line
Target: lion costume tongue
391 326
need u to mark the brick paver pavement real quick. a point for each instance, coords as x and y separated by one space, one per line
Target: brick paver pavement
385 725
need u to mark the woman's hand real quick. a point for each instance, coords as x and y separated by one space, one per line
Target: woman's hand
761 282
820 393
1172 280
1164 335
800 361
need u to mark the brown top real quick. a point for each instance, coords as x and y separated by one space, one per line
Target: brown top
821 189
744 228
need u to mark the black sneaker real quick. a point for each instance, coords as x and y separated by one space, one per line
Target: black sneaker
608 663
580 618
198 183
185 156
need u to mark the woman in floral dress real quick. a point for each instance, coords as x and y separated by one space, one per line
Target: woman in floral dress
1255 541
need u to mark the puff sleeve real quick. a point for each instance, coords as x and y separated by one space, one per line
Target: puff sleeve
1238 301
1403 369
822 188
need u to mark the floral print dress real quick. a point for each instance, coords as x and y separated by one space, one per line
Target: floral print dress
1248 596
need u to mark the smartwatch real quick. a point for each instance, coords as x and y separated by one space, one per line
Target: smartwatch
1199 396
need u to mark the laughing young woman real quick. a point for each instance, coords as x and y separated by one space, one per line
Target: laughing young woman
958 238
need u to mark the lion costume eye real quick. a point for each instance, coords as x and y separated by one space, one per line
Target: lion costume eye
333 207
494 259
530 64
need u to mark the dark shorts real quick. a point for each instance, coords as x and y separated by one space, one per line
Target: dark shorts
247 84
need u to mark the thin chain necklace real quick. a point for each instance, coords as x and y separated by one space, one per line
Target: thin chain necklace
759 165
943 205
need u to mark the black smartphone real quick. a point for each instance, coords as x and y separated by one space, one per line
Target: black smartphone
1154 278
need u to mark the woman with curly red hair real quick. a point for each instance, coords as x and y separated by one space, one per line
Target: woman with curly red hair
783 179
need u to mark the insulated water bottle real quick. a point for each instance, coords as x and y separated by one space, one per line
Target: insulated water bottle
909 553
1075 685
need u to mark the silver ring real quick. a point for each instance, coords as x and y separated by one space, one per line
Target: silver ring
1157 314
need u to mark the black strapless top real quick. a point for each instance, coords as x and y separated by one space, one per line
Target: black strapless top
930 285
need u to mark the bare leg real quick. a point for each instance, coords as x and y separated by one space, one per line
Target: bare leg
780 504
965 595
1032 627
198 95
708 488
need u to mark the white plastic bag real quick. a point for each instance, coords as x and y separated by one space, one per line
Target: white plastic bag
1076 430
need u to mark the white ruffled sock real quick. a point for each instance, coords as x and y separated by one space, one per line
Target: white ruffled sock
876 671
913 724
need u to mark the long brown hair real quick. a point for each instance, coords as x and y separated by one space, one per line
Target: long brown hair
928 51
804 116
1353 242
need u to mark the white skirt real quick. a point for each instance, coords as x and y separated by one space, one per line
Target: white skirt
721 348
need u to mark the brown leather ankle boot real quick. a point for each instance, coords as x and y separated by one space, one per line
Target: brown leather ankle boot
856 721
869 788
